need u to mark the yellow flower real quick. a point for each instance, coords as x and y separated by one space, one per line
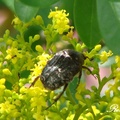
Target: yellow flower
29 63
35 101
9 109
2 81
117 60
37 70
2 86
17 102
60 20
37 116
16 21
70 117
70 33
116 73
39 66
13 54
104 55
95 110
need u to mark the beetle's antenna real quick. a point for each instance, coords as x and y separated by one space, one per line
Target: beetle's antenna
32 84
57 98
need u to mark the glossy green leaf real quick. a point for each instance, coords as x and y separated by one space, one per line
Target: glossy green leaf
71 91
86 23
24 12
68 7
109 22
39 3
9 4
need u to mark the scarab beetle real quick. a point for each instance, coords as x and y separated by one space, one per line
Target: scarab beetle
61 69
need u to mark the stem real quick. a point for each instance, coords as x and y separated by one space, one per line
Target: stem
99 80
103 82
92 112
79 111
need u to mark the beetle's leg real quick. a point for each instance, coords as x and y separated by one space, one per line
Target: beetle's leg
32 84
57 98
89 71
80 73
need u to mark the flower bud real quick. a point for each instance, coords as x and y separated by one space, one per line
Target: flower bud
39 48
6 71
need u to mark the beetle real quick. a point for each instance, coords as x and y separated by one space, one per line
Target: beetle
61 69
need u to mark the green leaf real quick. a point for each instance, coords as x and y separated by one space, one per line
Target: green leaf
71 91
68 7
109 22
86 23
9 4
39 3
24 12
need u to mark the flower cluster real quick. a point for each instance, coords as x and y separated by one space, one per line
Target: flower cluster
104 56
20 64
13 54
59 25
15 104
59 20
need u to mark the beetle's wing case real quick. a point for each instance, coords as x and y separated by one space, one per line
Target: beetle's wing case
61 69
50 74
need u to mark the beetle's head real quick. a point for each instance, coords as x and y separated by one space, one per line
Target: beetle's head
77 57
